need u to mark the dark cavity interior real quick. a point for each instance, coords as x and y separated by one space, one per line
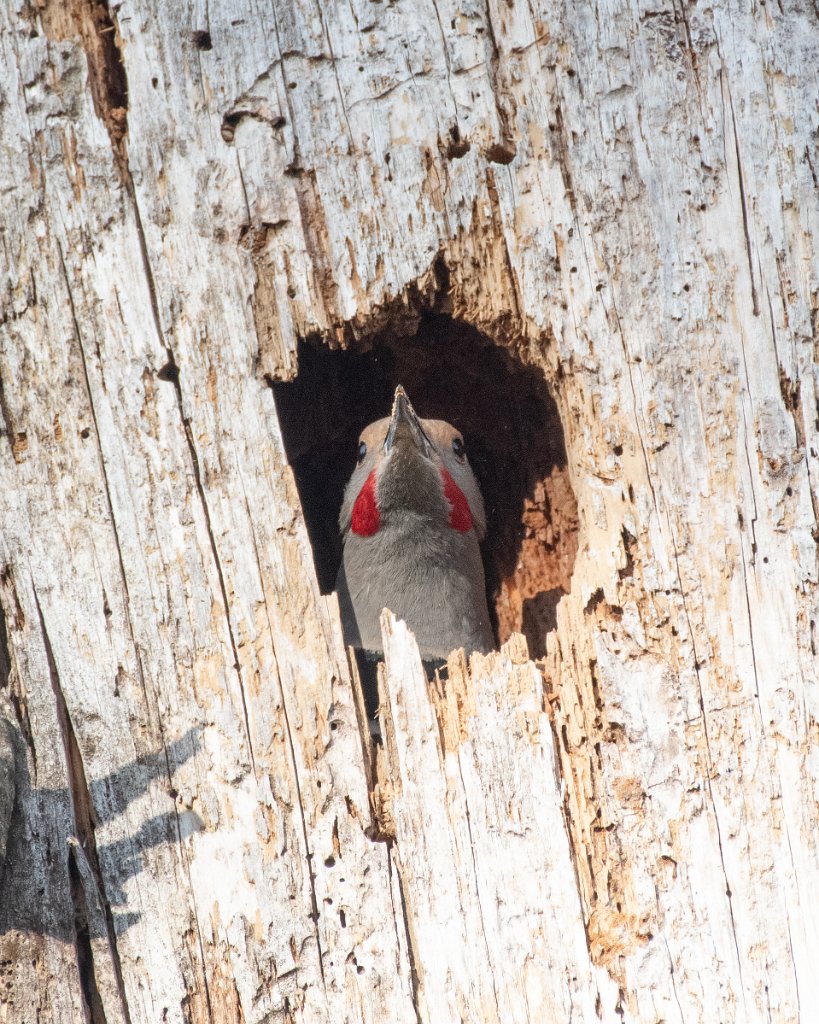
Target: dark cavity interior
513 437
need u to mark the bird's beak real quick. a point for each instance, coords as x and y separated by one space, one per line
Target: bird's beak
404 423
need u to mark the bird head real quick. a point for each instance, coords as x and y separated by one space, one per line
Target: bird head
411 467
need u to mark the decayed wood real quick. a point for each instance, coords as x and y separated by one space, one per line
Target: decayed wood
626 196
164 600
484 855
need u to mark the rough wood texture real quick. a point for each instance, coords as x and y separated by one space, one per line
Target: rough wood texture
623 195
481 841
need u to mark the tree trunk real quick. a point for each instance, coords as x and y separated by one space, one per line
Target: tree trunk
623 202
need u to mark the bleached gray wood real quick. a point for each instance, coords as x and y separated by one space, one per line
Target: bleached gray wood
636 213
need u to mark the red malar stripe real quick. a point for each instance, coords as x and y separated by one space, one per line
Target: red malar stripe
366 519
460 518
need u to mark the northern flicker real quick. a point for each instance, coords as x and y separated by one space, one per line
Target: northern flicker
411 522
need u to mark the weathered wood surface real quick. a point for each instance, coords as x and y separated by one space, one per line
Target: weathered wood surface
481 841
627 195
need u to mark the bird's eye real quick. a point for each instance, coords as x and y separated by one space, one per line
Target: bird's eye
362 452
458 448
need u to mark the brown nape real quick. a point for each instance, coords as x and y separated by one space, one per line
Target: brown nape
513 436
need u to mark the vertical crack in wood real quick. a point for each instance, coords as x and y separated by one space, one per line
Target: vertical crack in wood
294 768
100 37
5 654
296 781
8 421
507 143
171 374
84 825
743 199
637 417
171 371
93 1009
468 819
746 435
415 983
311 210
563 160
574 838
672 974
106 486
498 232
392 871
334 64
709 759
217 561
237 667
149 705
11 681
574 834
375 830
303 822
792 399
445 51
